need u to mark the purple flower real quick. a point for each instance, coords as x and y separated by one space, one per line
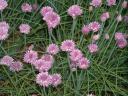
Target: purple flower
56 79
96 3
3 35
16 66
6 60
104 16
43 79
74 11
35 6
53 49
48 59
119 36
30 56
85 29
42 66
124 4
93 48
38 63
119 18
96 37
122 43
45 10
24 28
83 63
75 55
111 2
4 27
52 19
67 45
94 26
107 36
26 7
3 4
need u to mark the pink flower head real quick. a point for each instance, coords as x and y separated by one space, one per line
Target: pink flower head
96 3
111 2
119 18
119 36
122 43
16 66
48 58
3 4
52 19
93 48
45 10
45 67
3 35
4 27
106 36
26 7
6 60
67 45
94 26
53 49
30 56
35 6
75 55
104 16
42 66
125 4
74 11
85 29
56 79
96 37
38 63
83 63
24 28
43 79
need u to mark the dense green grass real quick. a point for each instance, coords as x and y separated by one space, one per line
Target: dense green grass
108 72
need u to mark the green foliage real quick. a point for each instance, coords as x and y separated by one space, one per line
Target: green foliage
108 72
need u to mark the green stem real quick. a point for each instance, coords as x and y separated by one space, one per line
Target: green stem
70 75
9 78
53 37
81 39
88 81
108 44
45 93
1 43
1 15
50 37
24 39
73 28
3 48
